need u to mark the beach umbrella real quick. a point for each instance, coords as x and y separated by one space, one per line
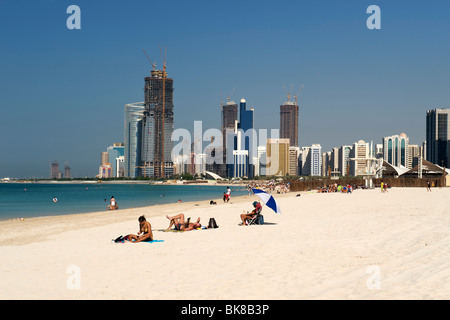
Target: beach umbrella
268 200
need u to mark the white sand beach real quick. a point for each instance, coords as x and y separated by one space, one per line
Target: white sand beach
364 245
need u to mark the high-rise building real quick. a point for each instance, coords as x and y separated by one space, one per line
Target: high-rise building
305 161
344 164
414 155
246 122
104 158
316 160
289 122
396 151
294 152
359 155
157 126
67 171
438 137
229 118
54 170
116 151
277 157
134 112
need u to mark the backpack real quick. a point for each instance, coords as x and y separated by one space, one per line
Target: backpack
212 224
119 239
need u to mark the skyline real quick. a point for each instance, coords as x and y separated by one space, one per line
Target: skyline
63 92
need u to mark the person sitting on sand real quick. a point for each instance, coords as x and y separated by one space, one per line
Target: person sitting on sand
113 204
250 215
181 224
145 232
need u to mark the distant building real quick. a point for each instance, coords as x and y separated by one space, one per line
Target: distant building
396 150
294 153
359 158
305 161
54 170
438 137
67 174
229 118
104 157
157 126
289 123
344 163
414 154
134 112
115 152
105 171
316 160
277 155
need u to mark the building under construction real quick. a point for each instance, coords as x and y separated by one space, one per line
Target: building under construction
289 122
156 126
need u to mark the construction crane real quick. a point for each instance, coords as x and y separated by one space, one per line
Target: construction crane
231 94
153 64
298 93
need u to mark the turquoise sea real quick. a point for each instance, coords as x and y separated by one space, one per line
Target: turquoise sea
25 200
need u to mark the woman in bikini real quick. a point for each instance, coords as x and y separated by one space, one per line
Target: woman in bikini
145 232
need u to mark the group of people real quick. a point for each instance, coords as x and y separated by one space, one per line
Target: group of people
179 223
271 185
336 188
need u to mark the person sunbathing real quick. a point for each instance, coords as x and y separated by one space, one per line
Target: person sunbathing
250 215
144 234
181 224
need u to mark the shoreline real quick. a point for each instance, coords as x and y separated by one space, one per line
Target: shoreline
76 221
149 182
322 246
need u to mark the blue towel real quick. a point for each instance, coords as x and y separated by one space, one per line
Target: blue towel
154 241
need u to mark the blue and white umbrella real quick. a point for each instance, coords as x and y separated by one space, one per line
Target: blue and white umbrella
268 200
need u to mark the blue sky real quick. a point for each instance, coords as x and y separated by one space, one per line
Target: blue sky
62 92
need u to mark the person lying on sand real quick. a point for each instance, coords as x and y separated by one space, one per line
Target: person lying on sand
181 224
145 232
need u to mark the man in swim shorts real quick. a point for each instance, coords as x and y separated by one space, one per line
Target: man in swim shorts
181 224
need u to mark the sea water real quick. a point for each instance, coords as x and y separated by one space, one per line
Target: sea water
25 200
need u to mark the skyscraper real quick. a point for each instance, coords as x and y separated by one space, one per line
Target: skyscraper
396 150
229 118
277 157
67 174
248 143
157 126
134 112
437 137
289 122
54 170
316 160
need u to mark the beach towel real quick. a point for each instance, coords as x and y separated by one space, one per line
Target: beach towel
121 239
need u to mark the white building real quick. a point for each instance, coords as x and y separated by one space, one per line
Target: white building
396 150
316 160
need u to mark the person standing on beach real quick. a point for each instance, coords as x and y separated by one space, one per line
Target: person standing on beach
428 186
382 187
228 194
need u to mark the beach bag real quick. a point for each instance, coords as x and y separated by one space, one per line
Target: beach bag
212 223
119 239
260 219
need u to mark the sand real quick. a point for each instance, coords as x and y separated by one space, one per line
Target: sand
365 245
